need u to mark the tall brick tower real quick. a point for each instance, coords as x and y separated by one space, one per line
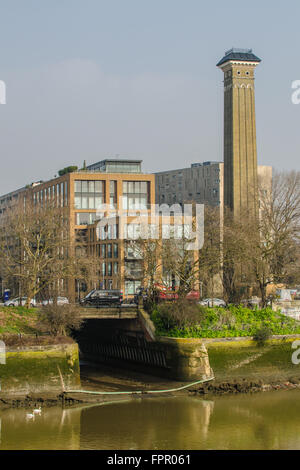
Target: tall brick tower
240 157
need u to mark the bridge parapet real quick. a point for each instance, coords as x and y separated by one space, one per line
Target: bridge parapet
120 313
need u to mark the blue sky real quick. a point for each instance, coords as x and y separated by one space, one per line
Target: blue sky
93 79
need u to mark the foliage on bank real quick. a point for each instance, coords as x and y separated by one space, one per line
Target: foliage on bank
184 320
54 320
19 320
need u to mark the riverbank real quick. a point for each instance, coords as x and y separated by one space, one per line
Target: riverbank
245 386
67 400
109 379
38 366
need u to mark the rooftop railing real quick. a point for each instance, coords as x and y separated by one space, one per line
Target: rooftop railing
238 50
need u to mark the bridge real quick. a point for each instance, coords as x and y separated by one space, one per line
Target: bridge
125 337
114 313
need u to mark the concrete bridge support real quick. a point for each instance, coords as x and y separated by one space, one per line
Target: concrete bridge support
132 343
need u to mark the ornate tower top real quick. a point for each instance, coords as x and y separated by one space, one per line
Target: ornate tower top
238 55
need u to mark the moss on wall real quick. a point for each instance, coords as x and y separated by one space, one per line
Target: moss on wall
36 369
186 359
244 358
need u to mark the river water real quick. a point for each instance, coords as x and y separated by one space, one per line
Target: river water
265 420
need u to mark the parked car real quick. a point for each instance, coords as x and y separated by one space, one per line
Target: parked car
60 301
98 297
193 295
252 302
283 295
297 296
214 302
17 301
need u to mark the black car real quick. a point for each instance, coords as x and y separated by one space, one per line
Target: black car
103 297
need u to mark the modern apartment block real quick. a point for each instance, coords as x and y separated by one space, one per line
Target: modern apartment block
115 184
201 183
118 246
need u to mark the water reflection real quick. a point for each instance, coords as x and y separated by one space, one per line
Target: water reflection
150 423
259 421
55 428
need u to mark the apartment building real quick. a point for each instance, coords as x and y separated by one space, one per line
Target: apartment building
112 183
117 245
201 183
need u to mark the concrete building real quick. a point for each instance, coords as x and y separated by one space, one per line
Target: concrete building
201 183
240 155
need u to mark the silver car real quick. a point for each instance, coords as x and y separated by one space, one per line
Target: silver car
60 301
17 301
214 302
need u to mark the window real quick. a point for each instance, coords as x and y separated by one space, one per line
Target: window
89 194
108 232
113 194
136 194
116 250
109 250
103 251
132 231
165 230
131 287
85 218
133 269
132 251
109 269
61 194
123 167
103 269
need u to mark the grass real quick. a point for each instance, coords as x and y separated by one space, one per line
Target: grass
18 320
221 323
19 326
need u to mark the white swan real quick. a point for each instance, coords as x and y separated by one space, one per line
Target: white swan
37 411
30 416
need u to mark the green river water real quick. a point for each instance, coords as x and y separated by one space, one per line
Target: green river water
266 420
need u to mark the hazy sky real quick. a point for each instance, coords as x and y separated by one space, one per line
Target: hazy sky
89 79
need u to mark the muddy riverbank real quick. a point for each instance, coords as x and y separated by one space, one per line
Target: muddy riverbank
112 380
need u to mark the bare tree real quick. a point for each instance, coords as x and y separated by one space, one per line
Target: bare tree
210 253
235 250
274 254
146 256
180 263
35 249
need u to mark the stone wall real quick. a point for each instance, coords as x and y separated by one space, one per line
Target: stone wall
132 344
237 358
37 369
